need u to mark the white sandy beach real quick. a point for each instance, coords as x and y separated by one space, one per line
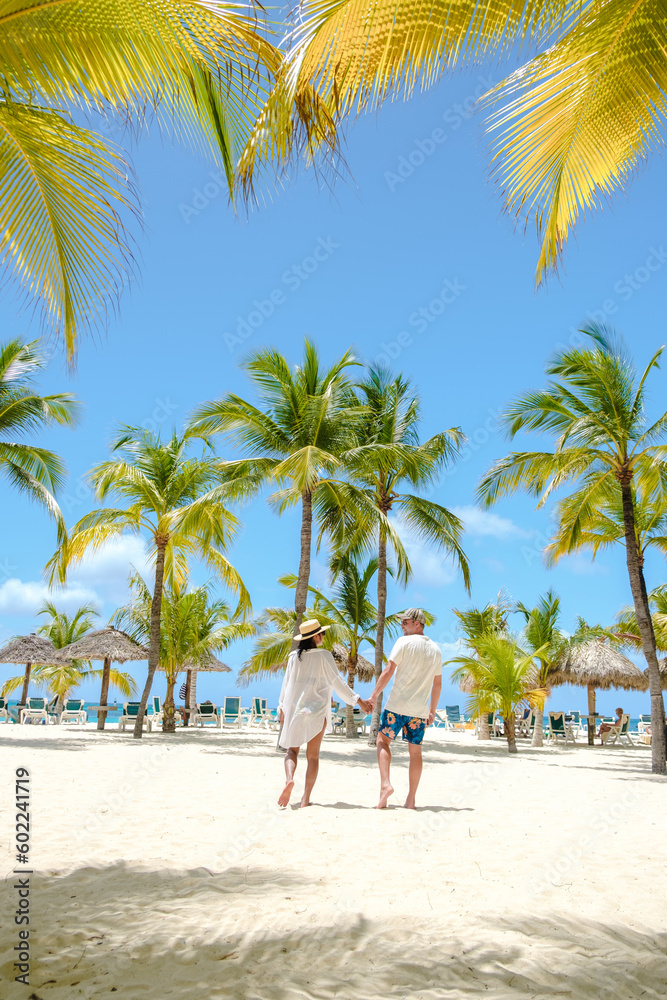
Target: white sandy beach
162 869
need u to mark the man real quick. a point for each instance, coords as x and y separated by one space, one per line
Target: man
416 662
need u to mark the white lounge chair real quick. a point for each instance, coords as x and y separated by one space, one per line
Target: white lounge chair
4 710
35 711
231 713
453 718
619 733
74 712
644 723
206 712
158 713
525 723
559 729
129 715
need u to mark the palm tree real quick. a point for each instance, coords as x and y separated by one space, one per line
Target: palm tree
63 629
478 624
296 437
36 472
573 123
627 628
503 675
200 67
543 637
595 408
175 500
389 459
193 627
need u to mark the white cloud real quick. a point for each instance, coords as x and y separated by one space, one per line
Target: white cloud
484 522
429 567
19 598
451 649
107 569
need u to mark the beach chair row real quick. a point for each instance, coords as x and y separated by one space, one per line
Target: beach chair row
207 713
38 710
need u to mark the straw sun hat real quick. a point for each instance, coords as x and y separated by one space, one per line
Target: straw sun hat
310 628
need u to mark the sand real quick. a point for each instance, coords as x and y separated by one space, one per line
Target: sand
164 869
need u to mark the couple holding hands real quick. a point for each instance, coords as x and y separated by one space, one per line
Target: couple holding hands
311 677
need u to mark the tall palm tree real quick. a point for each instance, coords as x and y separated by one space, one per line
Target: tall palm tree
382 469
627 628
477 624
176 501
594 407
193 627
295 438
202 68
63 629
572 124
542 636
503 676
36 472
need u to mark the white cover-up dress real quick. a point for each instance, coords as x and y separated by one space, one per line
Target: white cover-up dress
305 697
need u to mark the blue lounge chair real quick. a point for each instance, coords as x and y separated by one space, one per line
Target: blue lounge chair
129 715
73 711
206 711
559 729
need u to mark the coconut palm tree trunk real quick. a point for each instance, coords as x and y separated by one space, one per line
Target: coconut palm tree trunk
510 732
538 731
350 728
301 593
26 684
104 693
154 648
645 623
168 706
483 731
591 715
379 638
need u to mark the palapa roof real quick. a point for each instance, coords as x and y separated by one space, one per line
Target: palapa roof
211 664
107 643
365 669
598 664
33 649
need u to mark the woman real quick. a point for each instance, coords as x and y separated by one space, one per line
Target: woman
305 704
606 727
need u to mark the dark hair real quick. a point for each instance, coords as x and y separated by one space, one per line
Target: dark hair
306 645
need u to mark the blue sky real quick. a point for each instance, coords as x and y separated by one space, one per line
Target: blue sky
410 258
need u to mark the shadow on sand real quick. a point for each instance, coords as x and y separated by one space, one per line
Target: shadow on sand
193 934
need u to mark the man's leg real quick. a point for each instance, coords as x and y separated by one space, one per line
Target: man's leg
384 763
414 773
313 758
291 758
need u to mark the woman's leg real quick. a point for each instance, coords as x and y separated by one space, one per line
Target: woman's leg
291 758
313 759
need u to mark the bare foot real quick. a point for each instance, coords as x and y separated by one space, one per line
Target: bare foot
385 792
305 802
285 794
410 804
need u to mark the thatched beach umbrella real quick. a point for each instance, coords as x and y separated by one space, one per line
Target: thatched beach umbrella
31 650
596 664
110 645
365 671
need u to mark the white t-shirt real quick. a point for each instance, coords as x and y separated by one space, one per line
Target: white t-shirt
418 662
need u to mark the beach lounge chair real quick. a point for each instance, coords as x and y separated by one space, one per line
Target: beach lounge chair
129 715
4 710
573 719
206 712
644 723
35 711
257 710
158 714
453 718
490 719
559 729
619 734
525 723
232 714
74 712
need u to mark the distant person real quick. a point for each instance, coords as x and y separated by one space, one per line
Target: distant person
606 727
305 705
416 662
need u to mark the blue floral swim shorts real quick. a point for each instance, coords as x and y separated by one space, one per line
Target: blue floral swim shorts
413 729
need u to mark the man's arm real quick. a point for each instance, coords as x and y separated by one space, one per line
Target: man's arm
382 681
435 698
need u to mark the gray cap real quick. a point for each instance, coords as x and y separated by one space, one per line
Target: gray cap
416 614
